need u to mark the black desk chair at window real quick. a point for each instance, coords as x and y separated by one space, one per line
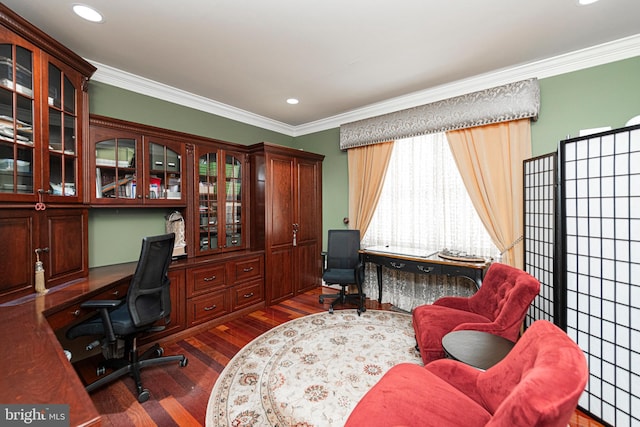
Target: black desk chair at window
120 322
344 267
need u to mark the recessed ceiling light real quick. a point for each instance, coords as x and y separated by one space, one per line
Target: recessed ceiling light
88 13
586 2
292 101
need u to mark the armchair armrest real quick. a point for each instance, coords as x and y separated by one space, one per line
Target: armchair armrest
459 303
461 376
489 327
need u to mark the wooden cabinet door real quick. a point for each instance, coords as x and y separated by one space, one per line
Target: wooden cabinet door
60 234
309 219
177 318
64 234
17 256
280 218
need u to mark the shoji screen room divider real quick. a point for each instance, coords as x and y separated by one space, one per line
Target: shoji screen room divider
596 268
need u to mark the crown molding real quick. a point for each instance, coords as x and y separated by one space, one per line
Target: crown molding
625 48
134 83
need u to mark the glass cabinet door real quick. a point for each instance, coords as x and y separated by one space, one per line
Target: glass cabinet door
220 214
165 172
233 201
63 126
116 169
17 114
208 202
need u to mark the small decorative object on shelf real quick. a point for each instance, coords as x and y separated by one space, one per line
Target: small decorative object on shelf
460 256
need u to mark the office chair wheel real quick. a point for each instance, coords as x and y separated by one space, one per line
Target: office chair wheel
184 362
159 352
330 310
321 300
143 396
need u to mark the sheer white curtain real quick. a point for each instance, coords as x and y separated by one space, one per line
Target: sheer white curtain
424 205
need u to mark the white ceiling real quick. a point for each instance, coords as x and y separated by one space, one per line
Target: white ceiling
339 57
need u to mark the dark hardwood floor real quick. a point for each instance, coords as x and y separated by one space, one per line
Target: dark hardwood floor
179 396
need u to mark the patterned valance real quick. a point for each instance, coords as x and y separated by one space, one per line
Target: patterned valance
512 101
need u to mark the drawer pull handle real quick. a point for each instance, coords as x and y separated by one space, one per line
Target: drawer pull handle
246 270
424 269
248 295
208 279
213 307
116 293
75 313
397 264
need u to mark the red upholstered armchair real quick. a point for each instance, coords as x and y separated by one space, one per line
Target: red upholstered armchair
498 307
537 384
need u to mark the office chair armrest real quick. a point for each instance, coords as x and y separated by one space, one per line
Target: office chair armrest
102 303
103 306
359 270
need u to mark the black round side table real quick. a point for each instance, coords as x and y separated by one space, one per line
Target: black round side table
481 350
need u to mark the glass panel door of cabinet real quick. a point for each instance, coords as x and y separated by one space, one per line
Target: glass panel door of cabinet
233 201
62 144
16 120
208 202
165 172
116 168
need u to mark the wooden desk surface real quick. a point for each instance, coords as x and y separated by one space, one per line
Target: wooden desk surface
426 255
34 368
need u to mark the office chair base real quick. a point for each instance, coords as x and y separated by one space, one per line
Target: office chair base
133 366
343 298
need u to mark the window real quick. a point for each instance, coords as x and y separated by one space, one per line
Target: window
424 203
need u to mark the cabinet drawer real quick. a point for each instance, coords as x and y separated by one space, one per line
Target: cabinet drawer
74 313
248 269
205 279
207 307
247 294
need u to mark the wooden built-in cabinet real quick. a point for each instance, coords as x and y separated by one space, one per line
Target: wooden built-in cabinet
43 109
220 200
43 116
133 164
287 218
59 235
222 287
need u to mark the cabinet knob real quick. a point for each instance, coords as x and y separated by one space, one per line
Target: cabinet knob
116 293
75 313
424 269
397 265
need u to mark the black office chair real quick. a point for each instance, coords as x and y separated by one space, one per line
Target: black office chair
120 322
343 267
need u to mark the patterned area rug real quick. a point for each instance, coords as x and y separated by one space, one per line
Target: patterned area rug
310 371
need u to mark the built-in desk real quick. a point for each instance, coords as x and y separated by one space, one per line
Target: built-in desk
420 262
33 366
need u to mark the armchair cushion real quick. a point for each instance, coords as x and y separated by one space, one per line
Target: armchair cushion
498 307
410 395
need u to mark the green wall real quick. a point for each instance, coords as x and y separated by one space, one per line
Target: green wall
606 95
